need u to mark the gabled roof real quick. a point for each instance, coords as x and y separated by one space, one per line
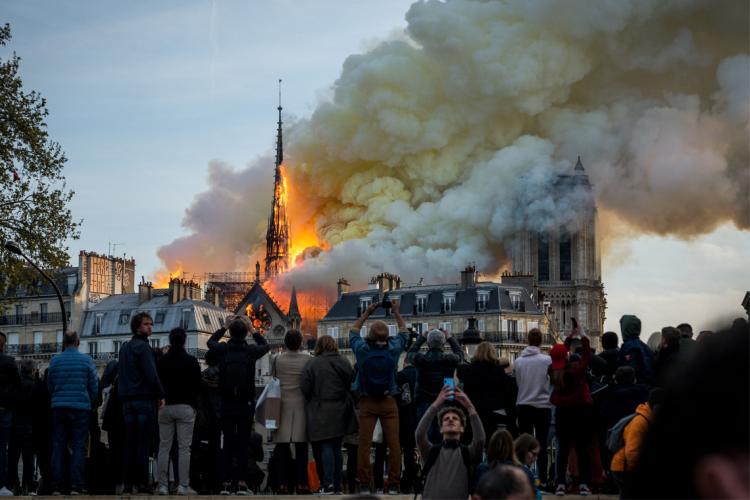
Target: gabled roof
258 295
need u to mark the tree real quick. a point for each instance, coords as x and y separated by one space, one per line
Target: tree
33 195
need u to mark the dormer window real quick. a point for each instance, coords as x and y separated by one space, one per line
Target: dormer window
364 303
421 304
449 299
515 299
483 297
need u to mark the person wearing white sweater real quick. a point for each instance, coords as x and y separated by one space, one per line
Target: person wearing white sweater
534 390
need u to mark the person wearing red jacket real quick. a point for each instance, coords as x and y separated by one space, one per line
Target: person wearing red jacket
574 414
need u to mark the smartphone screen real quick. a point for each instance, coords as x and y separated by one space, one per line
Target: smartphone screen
450 383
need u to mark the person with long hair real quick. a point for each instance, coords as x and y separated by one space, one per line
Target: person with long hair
288 367
527 450
490 388
574 414
326 383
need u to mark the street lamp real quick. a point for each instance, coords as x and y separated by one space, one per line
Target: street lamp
471 338
15 248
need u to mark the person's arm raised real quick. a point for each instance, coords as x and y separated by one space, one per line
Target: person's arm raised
357 326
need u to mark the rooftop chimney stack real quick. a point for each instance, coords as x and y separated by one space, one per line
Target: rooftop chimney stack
469 277
342 287
145 291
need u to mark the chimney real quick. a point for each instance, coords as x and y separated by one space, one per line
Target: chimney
469 277
175 290
145 291
342 287
213 296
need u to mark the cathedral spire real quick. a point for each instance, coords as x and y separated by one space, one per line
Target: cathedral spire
277 235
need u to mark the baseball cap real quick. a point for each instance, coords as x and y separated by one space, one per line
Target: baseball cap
558 353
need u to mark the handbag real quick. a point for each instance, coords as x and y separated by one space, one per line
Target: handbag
313 481
268 407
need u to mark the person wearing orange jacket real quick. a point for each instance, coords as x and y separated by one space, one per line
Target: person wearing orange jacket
625 460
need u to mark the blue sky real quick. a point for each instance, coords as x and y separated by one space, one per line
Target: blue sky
142 95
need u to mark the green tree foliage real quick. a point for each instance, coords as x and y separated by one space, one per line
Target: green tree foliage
33 195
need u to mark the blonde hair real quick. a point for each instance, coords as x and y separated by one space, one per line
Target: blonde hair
485 353
325 343
501 448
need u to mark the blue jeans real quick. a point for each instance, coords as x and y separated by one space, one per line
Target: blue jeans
6 420
69 423
329 451
139 418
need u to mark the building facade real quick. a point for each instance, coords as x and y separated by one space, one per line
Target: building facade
504 313
564 263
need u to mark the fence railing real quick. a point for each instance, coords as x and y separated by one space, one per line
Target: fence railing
30 319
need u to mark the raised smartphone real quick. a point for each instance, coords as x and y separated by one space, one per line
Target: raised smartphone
450 383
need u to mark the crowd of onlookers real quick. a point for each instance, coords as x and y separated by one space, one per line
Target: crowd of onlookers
662 419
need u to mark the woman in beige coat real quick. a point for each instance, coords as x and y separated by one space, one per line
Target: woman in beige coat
288 367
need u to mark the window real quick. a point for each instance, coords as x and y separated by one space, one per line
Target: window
483 298
363 331
419 327
542 257
207 320
421 304
448 300
116 346
480 325
333 331
98 319
446 326
43 312
159 317
155 343
533 324
392 330
364 303
512 326
124 317
38 337
185 320
58 336
515 299
13 339
19 314
67 310
565 261
93 348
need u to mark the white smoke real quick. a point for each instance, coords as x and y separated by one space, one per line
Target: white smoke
437 146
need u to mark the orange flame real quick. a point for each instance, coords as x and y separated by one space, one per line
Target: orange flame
162 277
302 225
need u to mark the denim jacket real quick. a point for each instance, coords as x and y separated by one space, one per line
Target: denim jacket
360 347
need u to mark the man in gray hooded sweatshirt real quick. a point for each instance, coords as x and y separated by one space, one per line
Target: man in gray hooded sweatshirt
534 390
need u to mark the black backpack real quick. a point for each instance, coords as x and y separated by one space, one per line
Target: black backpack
378 369
235 377
432 457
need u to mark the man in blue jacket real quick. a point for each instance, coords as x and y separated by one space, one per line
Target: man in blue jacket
73 386
377 362
139 390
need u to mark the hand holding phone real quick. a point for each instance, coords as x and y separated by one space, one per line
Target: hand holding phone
450 383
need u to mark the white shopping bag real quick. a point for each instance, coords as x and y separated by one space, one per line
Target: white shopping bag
268 407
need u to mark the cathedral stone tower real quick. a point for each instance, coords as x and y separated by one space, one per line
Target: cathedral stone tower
565 263
277 235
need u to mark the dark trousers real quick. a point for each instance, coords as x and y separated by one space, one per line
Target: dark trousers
574 426
236 433
6 420
68 423
351 468
21 446
139 418
328 452
409 476
299 465
536 421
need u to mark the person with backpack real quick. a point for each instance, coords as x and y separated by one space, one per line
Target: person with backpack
625 459
635 352
180 375
237 389
326 384
377 359
448 466
574 413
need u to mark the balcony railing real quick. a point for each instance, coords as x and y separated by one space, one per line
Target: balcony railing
31 319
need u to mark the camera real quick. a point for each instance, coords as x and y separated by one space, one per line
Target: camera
386 302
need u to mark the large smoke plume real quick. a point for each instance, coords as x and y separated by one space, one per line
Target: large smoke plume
438 145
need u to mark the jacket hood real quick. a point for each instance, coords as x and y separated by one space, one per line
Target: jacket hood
531 350
630 326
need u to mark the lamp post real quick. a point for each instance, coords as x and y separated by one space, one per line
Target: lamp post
15 248
471 338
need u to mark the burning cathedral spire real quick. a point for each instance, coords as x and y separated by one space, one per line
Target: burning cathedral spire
277 235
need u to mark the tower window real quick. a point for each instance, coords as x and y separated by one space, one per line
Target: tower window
565 260
542 257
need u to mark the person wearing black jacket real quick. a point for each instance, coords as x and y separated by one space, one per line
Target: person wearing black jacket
21 443
180 375
41 431
433 367
237 388
406 380
139 390
610 354
492 391
10 384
